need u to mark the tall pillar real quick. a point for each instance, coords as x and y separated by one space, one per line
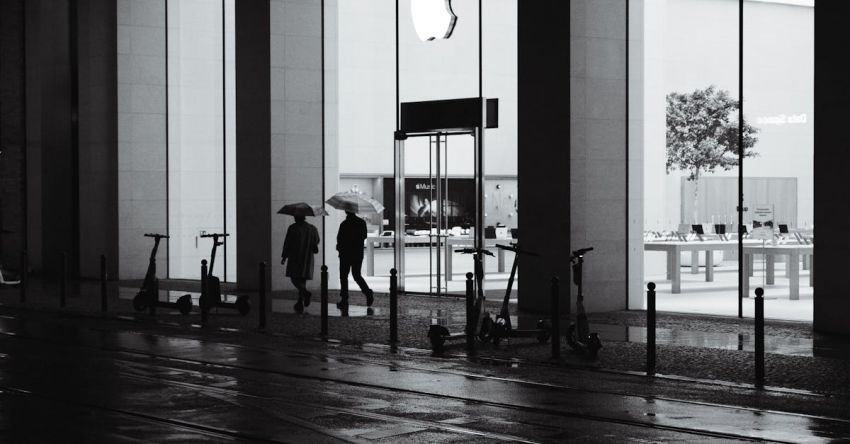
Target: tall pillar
253 140
303 131
543 147
832 93
98 136
572 148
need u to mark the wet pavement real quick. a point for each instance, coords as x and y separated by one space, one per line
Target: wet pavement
705 349
113 380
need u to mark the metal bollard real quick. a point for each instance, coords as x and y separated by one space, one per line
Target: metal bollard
470 315
262 301
393 306
24 272
650 329
324 297
63 279
202 301
759 345
556 319
103 283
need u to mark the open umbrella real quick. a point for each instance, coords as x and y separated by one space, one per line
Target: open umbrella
355 203
302 209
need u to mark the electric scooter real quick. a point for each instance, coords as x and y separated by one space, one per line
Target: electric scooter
211 288
439 334
501 328
148 295
578 334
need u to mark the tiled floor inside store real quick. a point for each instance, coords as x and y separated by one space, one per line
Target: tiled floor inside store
721 296
716 298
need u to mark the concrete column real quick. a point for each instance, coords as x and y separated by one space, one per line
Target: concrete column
142 134
12 129
98 148
598 148
297 158
832 93
253 139
543 147
57 171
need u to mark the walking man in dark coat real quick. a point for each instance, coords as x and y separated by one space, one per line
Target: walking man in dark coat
301 243
349 243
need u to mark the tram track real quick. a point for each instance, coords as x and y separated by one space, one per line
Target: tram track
503 405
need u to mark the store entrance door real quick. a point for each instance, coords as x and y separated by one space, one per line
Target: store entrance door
439 211
429 217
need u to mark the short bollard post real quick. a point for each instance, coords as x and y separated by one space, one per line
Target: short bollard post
470 315
262 298
393 306
650 329
324 297
63 278
103 283
203 300
556 319
759 345
24 272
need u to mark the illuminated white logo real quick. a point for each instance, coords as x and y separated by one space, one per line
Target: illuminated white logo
433 19
782 119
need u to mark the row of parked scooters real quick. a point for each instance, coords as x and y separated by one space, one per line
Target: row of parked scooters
148 296
485 328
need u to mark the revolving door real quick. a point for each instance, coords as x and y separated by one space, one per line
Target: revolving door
445 210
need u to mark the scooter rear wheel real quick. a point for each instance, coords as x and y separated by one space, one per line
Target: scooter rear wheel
242 305
140 302
184 304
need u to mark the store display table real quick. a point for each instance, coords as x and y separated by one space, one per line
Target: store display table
453 242
674 250
792 267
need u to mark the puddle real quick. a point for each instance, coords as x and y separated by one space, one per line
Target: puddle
728 341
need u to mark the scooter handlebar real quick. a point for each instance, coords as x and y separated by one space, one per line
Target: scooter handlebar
473 251
515 248
215 235
157 235
582 251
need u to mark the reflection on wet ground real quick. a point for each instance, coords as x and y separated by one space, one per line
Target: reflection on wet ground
783 345
277 305
745 341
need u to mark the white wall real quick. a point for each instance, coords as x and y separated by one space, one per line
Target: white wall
433 70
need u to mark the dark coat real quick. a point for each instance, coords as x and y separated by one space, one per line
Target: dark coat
349 240
301 243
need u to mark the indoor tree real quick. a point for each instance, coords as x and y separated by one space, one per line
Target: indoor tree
702 134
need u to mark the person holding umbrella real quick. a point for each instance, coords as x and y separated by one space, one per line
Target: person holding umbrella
299 246
349 241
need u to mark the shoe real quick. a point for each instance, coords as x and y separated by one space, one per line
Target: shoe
342 304
306 298
298 307
370 297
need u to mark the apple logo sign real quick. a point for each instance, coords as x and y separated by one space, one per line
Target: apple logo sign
433 19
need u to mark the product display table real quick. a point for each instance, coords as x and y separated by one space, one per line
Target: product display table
453 242
792 267
674 252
